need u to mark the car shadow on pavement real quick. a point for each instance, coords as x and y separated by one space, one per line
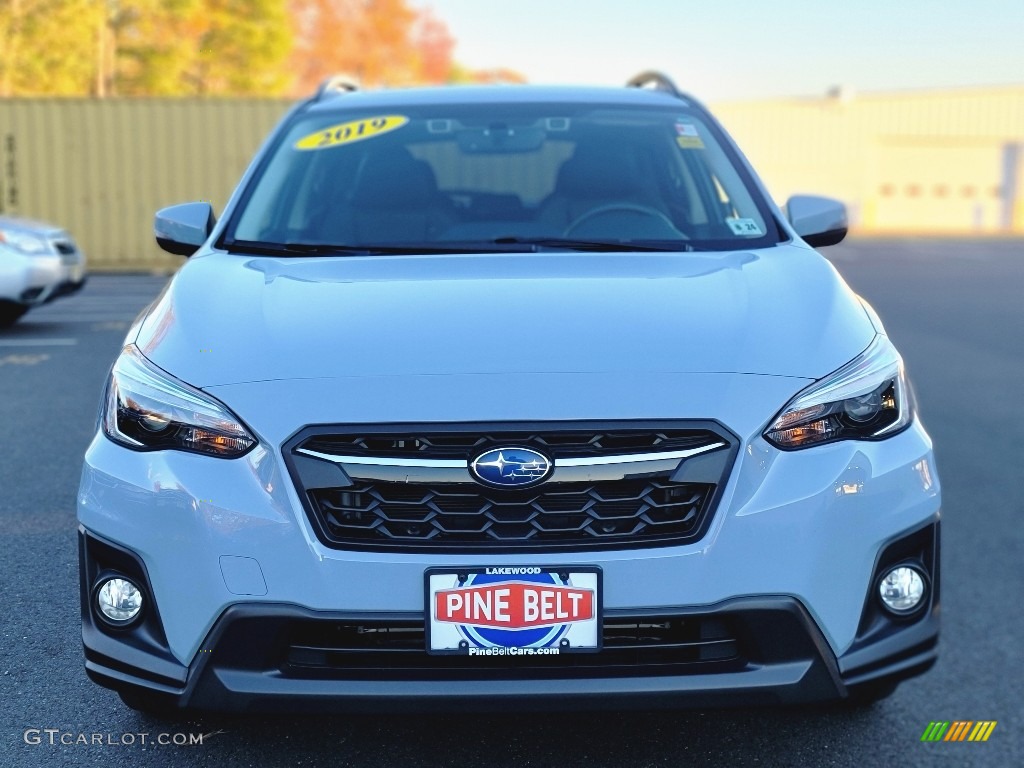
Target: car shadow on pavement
781 736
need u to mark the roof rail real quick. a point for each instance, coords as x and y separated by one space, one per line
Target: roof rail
657 80
337 84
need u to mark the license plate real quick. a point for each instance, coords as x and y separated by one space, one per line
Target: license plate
513 610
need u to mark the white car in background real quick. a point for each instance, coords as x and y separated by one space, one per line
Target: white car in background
38 263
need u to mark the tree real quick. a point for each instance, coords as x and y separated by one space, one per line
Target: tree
49 46
203 47
378 42
503 75
144 47
220 47
434 44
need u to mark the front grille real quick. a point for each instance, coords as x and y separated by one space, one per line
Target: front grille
456 515
372 650
633 503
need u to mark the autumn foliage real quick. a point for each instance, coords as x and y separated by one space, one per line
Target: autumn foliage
219 47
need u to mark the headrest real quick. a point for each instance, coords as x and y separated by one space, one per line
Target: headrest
592 172
394 179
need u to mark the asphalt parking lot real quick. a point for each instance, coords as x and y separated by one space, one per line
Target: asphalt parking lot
955 308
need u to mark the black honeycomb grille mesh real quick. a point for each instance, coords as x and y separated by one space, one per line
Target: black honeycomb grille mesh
457 515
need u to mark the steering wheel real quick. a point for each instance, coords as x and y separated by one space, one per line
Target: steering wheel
601 210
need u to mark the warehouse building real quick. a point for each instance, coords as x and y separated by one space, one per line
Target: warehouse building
924 162
943 161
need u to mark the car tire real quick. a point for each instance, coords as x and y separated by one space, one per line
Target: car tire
10 313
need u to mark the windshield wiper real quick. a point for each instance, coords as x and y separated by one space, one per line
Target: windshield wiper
609 246
504 245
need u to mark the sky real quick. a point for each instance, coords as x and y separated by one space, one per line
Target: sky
746 49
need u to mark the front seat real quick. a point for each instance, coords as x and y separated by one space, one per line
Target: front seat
396 200
592 178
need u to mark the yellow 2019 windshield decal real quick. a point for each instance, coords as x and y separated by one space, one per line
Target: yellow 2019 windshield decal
356 130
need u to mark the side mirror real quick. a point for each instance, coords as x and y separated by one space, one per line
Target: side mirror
820 221
181 229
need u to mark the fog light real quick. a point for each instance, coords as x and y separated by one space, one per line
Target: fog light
119 601
902 589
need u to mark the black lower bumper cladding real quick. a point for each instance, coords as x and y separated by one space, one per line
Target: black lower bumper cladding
756 651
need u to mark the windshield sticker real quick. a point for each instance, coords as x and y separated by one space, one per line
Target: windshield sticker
744 227
687 136
347 133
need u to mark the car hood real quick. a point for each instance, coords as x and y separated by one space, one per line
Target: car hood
31 226
228 319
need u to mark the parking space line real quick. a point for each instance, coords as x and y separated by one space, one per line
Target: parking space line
76 319
37 342
24 359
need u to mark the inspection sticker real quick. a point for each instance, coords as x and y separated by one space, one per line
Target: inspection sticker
347 133
744 227
687 136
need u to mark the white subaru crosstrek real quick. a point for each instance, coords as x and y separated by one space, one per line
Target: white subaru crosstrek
506 397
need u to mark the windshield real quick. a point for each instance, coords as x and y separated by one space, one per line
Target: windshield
490 175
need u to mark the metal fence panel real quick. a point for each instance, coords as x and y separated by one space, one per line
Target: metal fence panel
101 168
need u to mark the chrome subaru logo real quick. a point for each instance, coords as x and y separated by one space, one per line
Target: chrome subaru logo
510 467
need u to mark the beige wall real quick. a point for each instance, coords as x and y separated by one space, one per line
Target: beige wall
929 161
903 162
102 168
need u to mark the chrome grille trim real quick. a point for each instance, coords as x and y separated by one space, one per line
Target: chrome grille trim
586 461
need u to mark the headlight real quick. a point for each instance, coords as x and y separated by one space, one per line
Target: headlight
23 242
147 409
864 400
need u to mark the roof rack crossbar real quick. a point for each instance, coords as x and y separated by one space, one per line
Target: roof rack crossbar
337 84
658 80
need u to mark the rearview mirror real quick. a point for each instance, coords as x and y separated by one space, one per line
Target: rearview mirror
820 221
500 139
181 229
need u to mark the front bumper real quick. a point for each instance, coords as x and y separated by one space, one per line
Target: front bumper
28 280
750 651
35 280
68 288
